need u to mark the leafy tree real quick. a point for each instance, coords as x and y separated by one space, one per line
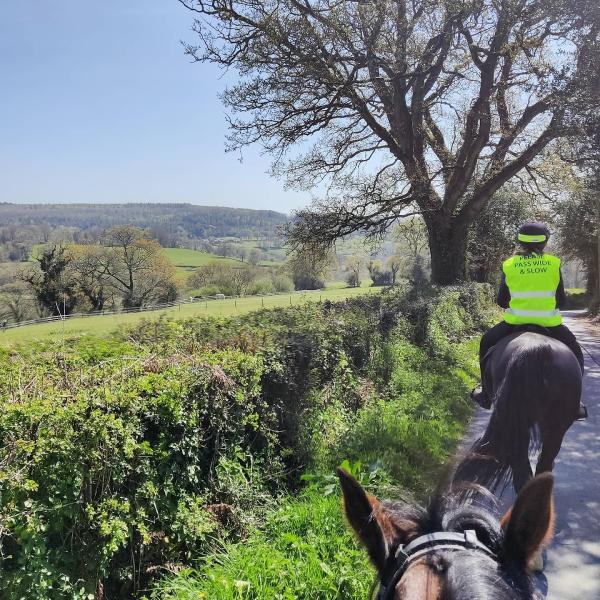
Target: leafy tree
52 281
492 236
309 269
354 265
579 232
378 275
136 267
429 105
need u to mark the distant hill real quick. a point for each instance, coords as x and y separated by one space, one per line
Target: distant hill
196 221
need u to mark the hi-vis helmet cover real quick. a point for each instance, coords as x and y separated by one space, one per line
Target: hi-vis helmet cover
533 232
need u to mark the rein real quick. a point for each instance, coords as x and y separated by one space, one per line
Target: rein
426 544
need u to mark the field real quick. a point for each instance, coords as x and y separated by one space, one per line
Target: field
190 259
81 326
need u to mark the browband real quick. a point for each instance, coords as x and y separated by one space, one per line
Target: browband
424 544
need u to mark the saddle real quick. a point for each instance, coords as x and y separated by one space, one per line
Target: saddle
525 328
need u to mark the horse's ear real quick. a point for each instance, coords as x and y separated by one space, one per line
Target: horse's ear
529 524
369 519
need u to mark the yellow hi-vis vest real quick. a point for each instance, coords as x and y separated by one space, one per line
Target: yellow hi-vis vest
532 282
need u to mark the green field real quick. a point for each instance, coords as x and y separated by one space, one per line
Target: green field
99 325
186 258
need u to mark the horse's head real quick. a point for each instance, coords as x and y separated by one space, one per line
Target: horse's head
452 551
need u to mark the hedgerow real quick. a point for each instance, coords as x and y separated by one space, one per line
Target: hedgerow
128 457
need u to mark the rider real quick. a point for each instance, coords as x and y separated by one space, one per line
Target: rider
531 292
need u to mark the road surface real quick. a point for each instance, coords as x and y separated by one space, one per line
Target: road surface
573 560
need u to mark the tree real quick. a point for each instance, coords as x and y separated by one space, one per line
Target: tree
94 283
241 278
427 106
136 267
255 256
15 305
394 265
378 275
411 233
354 266
52 281
579 232
308 269
492 237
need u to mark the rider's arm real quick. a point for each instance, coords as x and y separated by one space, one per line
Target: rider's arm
561 296
503 299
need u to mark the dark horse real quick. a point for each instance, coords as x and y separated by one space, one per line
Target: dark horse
535 383
452 550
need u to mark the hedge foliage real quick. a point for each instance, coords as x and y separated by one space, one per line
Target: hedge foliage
126 457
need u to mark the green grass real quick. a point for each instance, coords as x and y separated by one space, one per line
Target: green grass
100 325
187 260
306 552
184 257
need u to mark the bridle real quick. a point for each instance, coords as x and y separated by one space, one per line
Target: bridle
426 544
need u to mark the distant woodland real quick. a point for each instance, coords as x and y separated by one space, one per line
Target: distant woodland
165 220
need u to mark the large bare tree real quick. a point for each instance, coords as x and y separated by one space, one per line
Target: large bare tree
401 106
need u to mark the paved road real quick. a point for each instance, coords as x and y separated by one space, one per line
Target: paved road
573 560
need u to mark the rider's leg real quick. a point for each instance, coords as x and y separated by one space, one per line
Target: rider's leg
564 335
492 337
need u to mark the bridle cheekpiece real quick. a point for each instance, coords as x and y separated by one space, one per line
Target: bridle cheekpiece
425 544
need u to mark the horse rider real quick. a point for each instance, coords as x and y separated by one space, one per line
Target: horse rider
531 292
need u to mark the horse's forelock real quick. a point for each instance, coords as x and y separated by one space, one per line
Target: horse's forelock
467 574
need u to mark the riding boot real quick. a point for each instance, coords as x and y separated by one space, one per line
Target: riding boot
479 396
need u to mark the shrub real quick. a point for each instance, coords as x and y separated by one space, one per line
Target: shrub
153 448
352 279
207 291
282 283
262 286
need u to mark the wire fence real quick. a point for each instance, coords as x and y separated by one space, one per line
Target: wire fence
98 313
4 325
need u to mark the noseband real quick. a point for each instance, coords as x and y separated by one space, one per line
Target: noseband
426 544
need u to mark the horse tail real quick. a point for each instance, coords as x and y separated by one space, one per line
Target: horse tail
513 428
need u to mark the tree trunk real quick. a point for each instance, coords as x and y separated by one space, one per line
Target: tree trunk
448 249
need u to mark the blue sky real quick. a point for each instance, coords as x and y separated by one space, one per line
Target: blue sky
98 103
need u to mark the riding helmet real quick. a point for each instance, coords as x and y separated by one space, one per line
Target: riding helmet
533 232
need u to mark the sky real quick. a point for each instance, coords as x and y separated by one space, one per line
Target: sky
99 104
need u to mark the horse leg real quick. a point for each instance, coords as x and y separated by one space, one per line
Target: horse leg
521 471
551 443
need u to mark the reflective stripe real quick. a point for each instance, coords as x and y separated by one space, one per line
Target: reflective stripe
548 294
533 313
522 237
